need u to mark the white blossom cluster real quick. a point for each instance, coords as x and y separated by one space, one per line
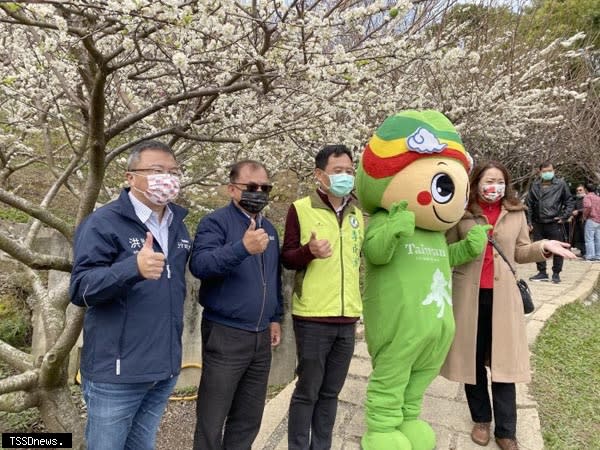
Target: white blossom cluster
274 81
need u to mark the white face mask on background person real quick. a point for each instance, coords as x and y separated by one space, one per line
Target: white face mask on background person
162 188
492 192
547 176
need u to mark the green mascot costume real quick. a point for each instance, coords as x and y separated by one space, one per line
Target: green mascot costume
413 180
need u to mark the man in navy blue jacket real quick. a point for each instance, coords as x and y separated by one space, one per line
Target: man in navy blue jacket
236 255
129 272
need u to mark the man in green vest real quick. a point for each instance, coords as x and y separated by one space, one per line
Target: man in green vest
322 241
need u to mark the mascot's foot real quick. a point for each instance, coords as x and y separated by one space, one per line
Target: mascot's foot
393 440
419 433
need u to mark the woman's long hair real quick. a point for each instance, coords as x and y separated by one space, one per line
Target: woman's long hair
510 197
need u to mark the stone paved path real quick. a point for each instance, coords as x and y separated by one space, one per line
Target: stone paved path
444 405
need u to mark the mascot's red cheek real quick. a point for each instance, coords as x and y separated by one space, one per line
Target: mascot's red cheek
424 198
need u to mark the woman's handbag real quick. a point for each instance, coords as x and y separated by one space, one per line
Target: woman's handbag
528 305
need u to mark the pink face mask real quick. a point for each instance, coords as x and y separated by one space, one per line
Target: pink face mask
492 192
162 188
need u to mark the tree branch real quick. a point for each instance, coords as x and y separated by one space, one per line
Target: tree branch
42 214
21 382
19 19
34 260
65 342
15 358
129 120
122 148
18 401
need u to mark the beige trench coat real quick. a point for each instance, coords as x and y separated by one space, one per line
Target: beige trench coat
510 354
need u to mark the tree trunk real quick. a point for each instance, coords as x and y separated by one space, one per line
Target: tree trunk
61 415
58 410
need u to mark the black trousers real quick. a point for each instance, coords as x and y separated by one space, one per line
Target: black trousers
504 396
324 352
578 235
233 387
552 230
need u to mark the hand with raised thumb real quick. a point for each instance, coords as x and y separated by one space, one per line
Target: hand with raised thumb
150 263
400 220
255 241
320 248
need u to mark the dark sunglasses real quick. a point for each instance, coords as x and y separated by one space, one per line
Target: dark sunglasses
253 187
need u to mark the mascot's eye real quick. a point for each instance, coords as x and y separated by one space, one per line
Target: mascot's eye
442 188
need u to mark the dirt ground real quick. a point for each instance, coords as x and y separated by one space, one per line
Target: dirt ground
176 431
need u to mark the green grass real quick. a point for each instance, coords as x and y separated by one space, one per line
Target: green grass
22 422
274 389
566 383
13 215
186 391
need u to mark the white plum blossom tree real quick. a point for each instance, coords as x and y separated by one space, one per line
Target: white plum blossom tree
82 81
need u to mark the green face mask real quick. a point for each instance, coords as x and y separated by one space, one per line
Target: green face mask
547 176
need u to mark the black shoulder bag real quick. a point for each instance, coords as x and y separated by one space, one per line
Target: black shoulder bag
528 306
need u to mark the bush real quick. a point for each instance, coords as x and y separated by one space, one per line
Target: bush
15 315
15 322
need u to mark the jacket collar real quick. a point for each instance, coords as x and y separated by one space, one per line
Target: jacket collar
555 180
125 208
243 215
318 199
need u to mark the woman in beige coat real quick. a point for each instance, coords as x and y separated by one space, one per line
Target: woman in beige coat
490 323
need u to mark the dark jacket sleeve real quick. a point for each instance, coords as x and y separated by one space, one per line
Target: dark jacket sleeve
98 275
568 200
213 254
278 314
293 255
530 203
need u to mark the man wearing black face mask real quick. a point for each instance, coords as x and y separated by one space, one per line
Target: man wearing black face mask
236 255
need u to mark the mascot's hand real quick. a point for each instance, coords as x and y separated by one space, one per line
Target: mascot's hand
477 238
401 221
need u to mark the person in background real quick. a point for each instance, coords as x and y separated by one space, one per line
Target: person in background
323 237
591 215
576 222
236 256
549 206
129 273
488 310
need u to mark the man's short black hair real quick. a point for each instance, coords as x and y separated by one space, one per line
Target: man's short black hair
546 164
322 157
149 144
591 187
234 173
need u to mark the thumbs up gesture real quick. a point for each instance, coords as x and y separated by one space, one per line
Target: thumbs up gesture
401 221
150 263
320 248
254 240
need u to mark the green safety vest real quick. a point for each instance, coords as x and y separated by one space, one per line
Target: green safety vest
329 287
